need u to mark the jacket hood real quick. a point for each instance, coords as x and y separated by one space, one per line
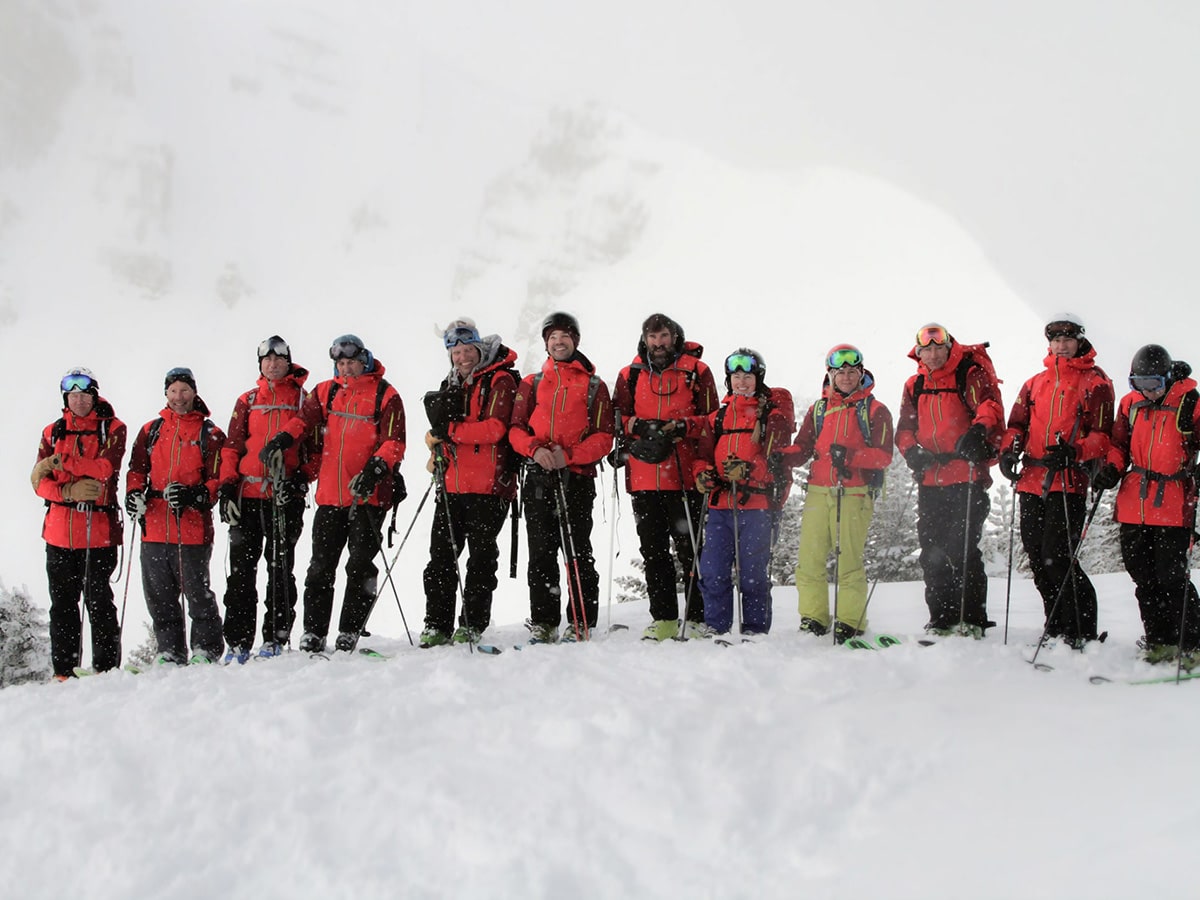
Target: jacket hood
101 409
493 355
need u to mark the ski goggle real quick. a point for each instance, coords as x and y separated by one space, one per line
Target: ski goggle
344 349
841 358
180 373
1147 383
461 335
932 334
1055 334
275 345
77 381
740 362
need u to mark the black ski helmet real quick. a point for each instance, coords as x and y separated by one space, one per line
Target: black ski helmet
274 344
1152 359
744 359
560 321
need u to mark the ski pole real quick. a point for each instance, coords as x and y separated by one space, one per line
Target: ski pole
1012 525
1187 594
962 601
1069 577
389 567
86 508
564 525
693 575
612 552
737 553
837 558
453 543
128 572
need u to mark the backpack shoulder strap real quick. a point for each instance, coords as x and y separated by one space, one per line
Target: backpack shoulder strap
152 434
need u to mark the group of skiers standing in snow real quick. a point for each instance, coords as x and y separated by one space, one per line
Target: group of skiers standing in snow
705 476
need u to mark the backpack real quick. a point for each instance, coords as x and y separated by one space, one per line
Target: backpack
206 430
512 462
972 355
781 480
862 414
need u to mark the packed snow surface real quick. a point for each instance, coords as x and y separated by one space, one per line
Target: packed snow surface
618 768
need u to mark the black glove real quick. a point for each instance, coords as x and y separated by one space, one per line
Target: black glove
1009 460
271 454
443 407
618 457
180 496
918 459
364 483
135 504
973 445
837 456
736 469
1107 478
1059 456
227 504
288 490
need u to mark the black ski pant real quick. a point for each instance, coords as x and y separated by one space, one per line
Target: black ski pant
949 525
170 571
1050 531
542 523
1156 558
334 529
662 520
86 572
474 521
253 537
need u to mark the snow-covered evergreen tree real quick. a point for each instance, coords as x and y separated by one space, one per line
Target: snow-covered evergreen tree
893 550
145 653
24 639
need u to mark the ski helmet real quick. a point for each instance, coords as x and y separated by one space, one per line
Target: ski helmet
1153 359
560 321
274 344
79 379
843 355
1065 324
743 359
350 346
179 373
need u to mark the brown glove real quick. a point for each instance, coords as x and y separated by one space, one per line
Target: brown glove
706 481
85 490
43 467
736 469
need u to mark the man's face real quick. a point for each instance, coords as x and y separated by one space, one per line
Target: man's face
180 398
1064 347
847 378
464 358
560 345
933 356
660 345
273 367
350 368
80 403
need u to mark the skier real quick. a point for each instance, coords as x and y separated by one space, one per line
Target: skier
664 386
361 419
469 454
79 458
169 489
264 510
1155 438
1062 418
562 424
848 435
951 420
731 468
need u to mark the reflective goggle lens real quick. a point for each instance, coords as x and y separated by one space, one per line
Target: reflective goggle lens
740 362
274 345
461 336
933 334
180 372
344 350
840 358
1146 383
76 382
1062 333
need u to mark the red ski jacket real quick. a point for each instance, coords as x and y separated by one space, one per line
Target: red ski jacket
351 433
479 461
559 414
1071 399
1160 487
258 415
683 390
939 416
737 430
90 446
177 455
841 424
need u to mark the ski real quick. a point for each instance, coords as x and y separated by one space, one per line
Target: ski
372 654
1163 679
858 643
883 641
488 649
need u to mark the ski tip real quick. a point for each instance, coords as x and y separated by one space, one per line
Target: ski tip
489 649
1100 679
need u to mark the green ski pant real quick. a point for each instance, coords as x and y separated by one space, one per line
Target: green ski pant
818 538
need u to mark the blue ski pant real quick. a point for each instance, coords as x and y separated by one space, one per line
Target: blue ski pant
717 561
